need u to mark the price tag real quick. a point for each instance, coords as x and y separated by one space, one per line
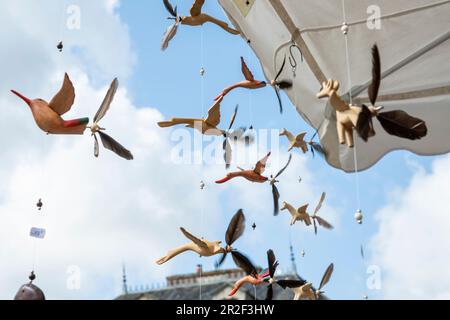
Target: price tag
37 233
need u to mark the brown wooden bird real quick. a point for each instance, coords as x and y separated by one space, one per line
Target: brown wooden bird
297 141
254 175
297 214
207 126
196 18
248 83
359 118
48 115
304 290
207 248
203 247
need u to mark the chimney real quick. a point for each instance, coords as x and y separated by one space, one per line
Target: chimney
199 270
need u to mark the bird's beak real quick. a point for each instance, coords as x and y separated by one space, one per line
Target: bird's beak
28 101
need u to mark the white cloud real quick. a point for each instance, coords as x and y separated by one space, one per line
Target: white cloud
413 239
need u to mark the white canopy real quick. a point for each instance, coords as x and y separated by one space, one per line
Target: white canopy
415 52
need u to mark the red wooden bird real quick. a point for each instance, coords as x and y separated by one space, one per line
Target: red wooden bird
248 83
254 175
252 277
48 115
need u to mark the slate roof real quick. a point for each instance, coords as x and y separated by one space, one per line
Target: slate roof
211 291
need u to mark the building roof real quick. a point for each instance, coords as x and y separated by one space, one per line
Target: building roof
213 285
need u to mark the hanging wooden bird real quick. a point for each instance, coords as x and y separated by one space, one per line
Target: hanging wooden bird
30 291
207 248
254 175
39 204
267 276
280 84
297 215
203 247
48 115
207 126
297 141
196 18
304 290
248 83
359 118
275 192
318 220
107 141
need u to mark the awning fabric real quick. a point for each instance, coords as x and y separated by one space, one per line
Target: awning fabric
414 42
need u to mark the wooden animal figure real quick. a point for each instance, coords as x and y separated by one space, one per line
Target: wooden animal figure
196 18
359 118
297 215
267 276
304 290
301 214
254 175
248 83
297 141
206 248
207 126
48 115
203 247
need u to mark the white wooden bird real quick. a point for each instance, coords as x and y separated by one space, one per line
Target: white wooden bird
297 141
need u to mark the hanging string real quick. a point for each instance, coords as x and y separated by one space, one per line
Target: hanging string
62 25
355 156
33 268
349 77
202 102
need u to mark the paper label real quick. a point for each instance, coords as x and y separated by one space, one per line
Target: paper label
37 233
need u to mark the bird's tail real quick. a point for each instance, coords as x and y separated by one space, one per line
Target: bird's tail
76 122
172 253
227 178
74 126
173 122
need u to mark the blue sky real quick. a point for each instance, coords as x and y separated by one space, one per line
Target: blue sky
130 212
